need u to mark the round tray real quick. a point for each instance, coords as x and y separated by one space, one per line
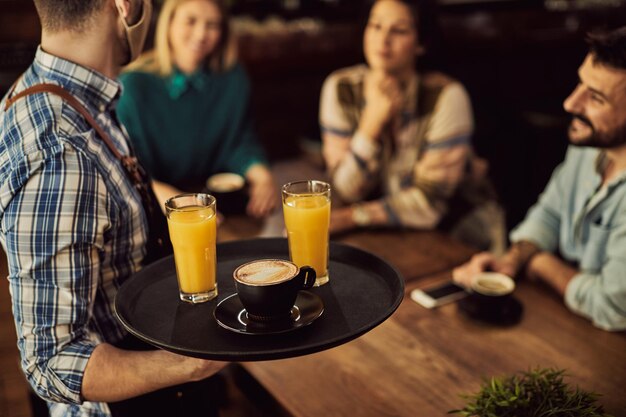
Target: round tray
363 291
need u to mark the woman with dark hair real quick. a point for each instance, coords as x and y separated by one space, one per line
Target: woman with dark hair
185 106
396 141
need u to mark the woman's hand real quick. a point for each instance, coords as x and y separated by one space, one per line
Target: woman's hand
263 192
383 101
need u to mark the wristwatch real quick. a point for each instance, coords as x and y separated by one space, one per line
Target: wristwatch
360 215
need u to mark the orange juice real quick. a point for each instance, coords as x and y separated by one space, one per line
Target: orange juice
193 231
307 218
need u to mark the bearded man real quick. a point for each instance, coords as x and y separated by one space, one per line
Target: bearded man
574 237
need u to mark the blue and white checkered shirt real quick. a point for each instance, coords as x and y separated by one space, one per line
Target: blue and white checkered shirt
71 224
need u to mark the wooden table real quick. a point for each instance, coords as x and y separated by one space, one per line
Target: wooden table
419 361
414 253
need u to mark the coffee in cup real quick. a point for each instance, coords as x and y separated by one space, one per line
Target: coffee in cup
268 288
492 284
491 299
490 293
230 191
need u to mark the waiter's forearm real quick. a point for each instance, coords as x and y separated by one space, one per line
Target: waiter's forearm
114 374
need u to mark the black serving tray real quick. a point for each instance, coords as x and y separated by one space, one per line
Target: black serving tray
363 291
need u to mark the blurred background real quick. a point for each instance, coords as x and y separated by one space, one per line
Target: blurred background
517 58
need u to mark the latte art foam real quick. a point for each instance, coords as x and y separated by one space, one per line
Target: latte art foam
265 272
493 283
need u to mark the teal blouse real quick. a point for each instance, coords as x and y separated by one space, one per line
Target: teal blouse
187 127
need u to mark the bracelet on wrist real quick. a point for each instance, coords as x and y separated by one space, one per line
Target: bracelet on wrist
360 215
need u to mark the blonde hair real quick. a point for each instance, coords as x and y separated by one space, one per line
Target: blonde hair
160 60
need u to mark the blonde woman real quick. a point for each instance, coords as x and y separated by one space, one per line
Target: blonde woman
397 142
185 106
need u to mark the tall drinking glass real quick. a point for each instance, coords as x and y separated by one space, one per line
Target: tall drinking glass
192 226
306 207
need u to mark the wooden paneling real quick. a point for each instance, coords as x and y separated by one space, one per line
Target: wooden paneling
19 22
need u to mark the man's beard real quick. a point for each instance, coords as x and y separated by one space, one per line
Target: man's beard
595 139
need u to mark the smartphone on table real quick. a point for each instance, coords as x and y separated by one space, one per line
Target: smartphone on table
438 294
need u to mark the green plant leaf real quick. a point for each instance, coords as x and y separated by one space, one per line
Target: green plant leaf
540 392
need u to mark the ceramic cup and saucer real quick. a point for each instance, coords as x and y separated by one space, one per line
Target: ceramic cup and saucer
231 190
270 298
491 300
231 315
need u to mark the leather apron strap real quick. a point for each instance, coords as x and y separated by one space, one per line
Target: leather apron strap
158 244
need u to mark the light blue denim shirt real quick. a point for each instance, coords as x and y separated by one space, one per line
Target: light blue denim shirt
586 224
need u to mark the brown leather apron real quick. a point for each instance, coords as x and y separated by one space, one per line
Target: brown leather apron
198 398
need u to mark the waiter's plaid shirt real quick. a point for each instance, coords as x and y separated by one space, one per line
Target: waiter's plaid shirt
71 224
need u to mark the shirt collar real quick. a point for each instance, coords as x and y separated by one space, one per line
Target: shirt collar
179 82
602 162
95 89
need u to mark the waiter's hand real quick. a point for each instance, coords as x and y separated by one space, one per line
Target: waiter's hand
113 374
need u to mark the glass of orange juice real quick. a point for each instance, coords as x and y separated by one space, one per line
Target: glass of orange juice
306 207
192 226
